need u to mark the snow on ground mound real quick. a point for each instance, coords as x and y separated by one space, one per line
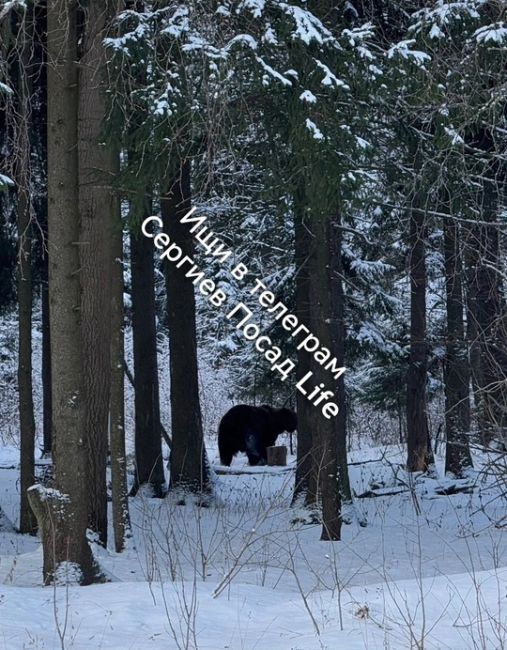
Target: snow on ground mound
428 570
464 612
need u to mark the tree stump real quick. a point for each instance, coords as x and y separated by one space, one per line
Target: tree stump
67 556
277 456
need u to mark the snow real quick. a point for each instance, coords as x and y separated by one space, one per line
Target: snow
362 143
139 615
330 79
377 72
68 573
11 4
403 49
496 33
270 36
223 11
423 560
4 88
453 135
369 333
195 42
256 7
307 27
239 574
244 39
446 12
179 23
49 493
5 181
435 32
314 129
308 97
272 73
161 108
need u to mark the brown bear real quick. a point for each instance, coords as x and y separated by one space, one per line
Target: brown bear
252 429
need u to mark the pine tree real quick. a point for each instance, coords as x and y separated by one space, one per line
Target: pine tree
188 464
148 446
119 488
62 514
457 370
95 207
23 177
467 69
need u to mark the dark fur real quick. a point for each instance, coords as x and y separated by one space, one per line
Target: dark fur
252 429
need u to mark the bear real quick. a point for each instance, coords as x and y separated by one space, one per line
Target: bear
252 429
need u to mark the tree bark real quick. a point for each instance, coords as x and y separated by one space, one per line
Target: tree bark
492 338
148 445
28 522
47 432
457 373
338 350
65 546
189 465
485 297
305 488
488 291
39 144
95 207
26 413
325 444
474 348
120 506
419 451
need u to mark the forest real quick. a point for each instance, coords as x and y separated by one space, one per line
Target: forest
299 207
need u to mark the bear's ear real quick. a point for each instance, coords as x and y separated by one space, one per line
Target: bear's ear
267 407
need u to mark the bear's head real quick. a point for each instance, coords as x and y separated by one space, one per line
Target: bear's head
286 419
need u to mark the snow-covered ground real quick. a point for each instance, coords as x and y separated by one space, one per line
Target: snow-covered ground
427 570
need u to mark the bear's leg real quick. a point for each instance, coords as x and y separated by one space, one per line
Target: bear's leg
254 451
225 453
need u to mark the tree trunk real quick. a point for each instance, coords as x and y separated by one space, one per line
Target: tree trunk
457 374
28 522
47 433
474 348
121 518
95 206
189 466
39 140
338 350
486 299
419 450
26 414
149 466
492 338
65 546
305 488
325 444
491 323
